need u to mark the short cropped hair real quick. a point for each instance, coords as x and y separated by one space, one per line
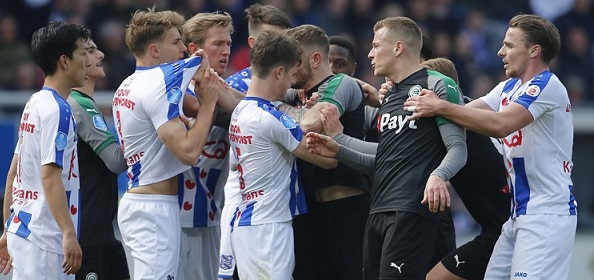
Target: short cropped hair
147 27
52 41
257 15
272 50
311 36
403 29
195 28
443 66
347 44
539 31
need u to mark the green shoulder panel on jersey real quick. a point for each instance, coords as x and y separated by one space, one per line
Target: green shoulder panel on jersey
89 108
330 89
453 93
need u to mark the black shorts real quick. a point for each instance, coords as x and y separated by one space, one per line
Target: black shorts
470 260
398 245
446 237
104 262
341 225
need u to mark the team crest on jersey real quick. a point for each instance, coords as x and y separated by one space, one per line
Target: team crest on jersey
226 262
99 123
415 90
92 276
61 141
533 90
174 95
288 122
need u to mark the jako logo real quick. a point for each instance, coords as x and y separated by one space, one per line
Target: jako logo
521 274
169 277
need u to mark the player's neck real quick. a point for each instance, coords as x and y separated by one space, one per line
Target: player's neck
88 88
262 89
318 76
59 84
532 70
403 70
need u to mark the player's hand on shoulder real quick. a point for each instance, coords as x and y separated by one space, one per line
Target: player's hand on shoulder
330 117
5 259
384 90
72 254
371 95
436 194
426 104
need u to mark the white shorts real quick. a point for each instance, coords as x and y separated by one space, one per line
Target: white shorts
226 257
264 251
199 253
151 228
31 262
533 247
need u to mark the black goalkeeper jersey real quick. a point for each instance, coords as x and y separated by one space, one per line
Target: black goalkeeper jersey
408 151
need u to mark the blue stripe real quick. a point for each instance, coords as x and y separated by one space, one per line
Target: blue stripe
23 230
63 124
297 202
509 85
572 207
287 121
541 81
135 174
173 74
199 201
237 82
211 185
522 192
180 189
246 215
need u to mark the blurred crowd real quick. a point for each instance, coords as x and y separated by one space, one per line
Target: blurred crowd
469 32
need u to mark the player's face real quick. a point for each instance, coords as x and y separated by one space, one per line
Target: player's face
382 53
288 81
303 72
171 48
218 48
95 58
515 53
339 60
78 66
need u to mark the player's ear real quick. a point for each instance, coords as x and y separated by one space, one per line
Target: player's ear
279 72
192 47
316 58
153 50
251 41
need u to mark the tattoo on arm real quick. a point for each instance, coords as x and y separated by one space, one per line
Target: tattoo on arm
295 113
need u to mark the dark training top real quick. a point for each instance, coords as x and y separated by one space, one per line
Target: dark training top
97 148
409 151
344 92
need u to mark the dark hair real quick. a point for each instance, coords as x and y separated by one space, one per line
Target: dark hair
347 44
52 41
272 50
310 35
427 49
257 15
539 31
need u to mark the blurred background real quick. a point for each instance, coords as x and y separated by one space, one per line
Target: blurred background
469 32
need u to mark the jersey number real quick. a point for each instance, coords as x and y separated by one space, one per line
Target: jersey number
239 169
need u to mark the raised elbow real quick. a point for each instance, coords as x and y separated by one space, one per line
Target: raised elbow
190 158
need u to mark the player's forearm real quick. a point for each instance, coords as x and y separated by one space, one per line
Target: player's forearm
8 188
485 122
296 114
55 195
356 144
229 99
454 138
197 135
364 163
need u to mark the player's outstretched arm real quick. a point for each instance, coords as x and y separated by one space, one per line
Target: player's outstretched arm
51 178
5 259
319 160
187 144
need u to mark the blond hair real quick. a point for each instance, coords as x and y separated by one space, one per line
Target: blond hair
195 28
443 66
147 27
